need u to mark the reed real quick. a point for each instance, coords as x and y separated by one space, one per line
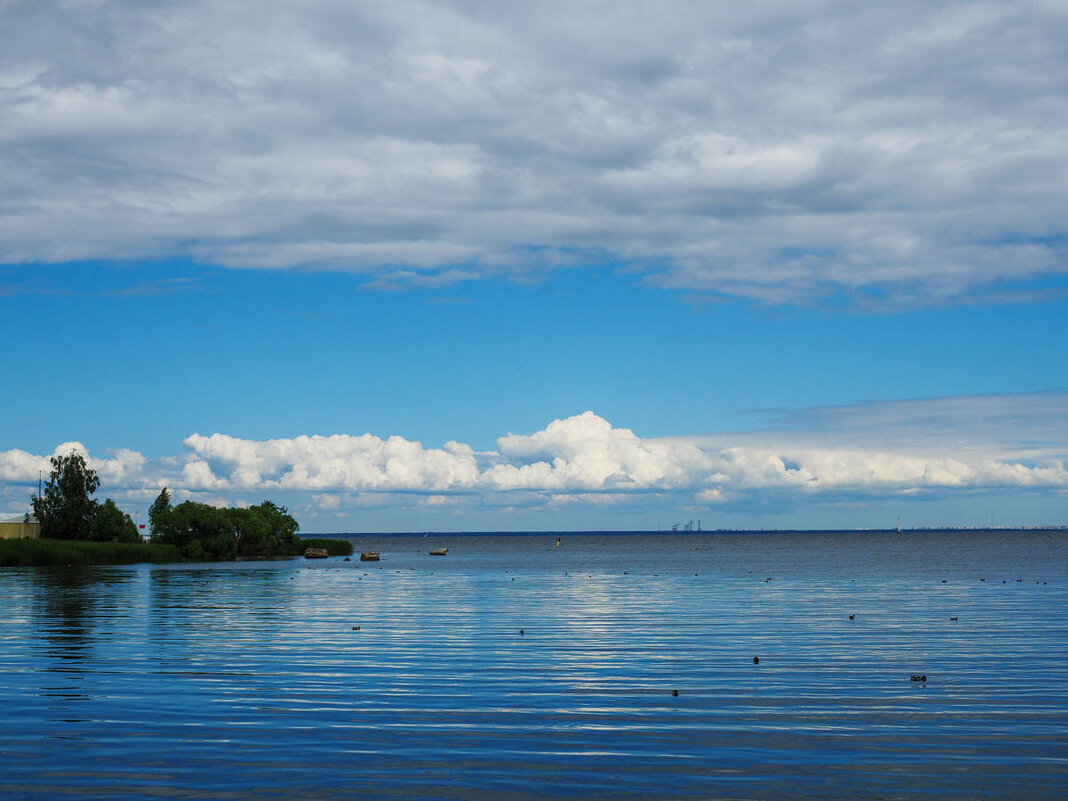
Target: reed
42 551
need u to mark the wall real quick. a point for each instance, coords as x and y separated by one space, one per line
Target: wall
14 531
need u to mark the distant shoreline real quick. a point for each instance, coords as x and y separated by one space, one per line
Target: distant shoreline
656 533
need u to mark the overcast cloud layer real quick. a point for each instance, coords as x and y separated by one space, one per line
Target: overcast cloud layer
937 446
905 153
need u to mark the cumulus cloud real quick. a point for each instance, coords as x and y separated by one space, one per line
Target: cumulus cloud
900 154
327 502
18 466
586 452
336 462
875 450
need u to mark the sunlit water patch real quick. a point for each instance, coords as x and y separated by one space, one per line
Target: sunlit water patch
515 668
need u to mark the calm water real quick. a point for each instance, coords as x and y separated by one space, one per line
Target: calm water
247 680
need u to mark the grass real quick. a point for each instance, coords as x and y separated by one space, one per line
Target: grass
29 552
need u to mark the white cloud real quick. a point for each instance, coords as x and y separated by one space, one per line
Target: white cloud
864 451
586 452
124 468
18 466
335 462
773 152
710 496
327 502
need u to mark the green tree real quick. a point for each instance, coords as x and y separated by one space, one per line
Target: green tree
281 527
65 510
205 532
111 524
199 530
159 507
252 533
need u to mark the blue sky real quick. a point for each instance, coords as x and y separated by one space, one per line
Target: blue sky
160 351
799 275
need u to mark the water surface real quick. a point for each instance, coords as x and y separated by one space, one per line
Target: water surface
516 668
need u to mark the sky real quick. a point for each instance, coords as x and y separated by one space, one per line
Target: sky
469 266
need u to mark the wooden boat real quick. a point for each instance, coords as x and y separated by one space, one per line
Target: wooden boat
439 551
369 556
315 553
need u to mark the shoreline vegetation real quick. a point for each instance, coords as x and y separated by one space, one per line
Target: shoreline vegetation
77 529
47 552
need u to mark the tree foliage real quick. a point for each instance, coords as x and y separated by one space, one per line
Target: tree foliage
66 509
159 507
209 532
111 524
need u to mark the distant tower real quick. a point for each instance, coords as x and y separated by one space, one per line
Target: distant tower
899 524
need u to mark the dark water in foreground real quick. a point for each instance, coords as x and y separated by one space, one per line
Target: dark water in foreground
247 680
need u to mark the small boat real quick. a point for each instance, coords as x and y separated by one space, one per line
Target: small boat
369 556
439 551
315 553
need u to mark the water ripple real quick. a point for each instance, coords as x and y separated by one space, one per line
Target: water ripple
513 668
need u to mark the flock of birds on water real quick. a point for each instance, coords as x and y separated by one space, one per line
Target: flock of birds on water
920 678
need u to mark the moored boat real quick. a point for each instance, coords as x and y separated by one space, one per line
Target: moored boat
439 551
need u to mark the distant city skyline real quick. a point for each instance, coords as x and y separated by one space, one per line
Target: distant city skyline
408 266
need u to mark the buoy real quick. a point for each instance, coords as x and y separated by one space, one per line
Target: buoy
675 692
756 660
521 631
851 617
